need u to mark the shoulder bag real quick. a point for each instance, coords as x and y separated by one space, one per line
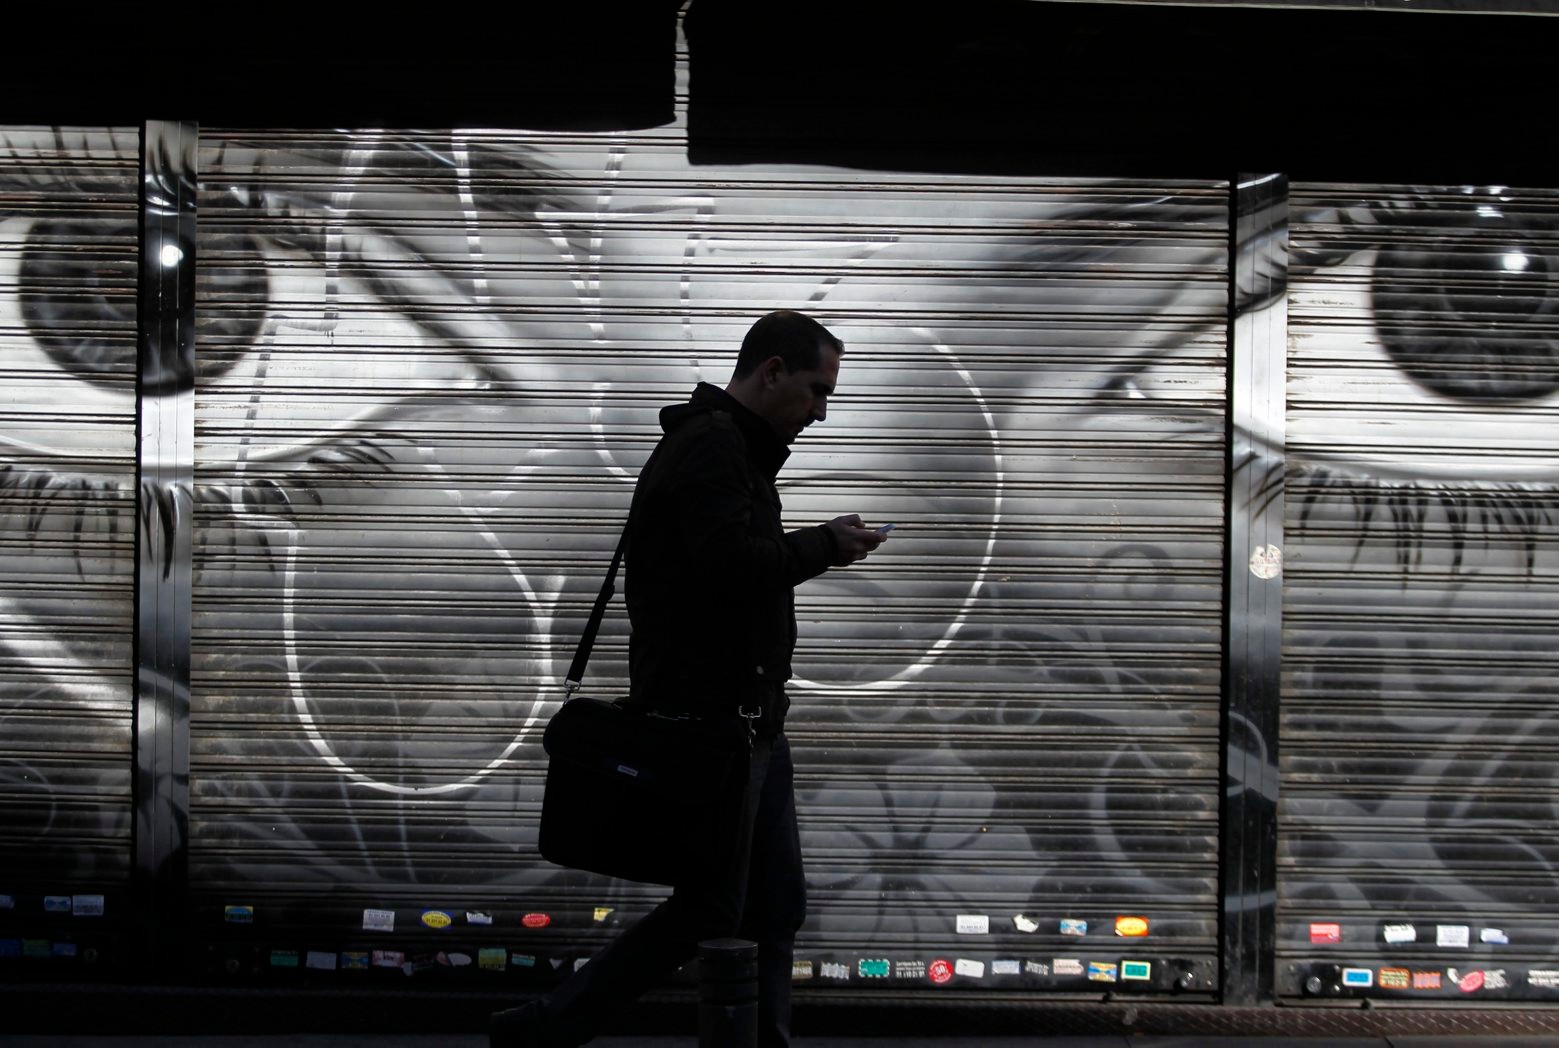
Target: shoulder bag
634 793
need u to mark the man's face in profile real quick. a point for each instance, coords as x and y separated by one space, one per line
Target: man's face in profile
794 400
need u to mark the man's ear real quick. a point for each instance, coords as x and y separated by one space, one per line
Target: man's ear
772 369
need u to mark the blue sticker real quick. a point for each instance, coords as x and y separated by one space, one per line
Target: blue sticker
1070 926
64 949
1359 978
1137 971
86 905
522 960
238 914
10 947
56 904
354 960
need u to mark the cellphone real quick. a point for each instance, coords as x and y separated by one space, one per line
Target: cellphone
885 529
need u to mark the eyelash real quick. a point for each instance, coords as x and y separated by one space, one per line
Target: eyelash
1502 511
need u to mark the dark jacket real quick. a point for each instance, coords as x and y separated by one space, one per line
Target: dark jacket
709 566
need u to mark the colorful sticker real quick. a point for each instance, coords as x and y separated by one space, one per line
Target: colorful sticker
1325 934
873 967
284 958
602 913
1072 926
1397 934
388 958
354 960
1544 978
1358 978
1136 971
86 905
909 969
940 971
973 924
1394 978
536 920
1455 935
437 918
238 914
1494 937
1471 982
1024 923
1426 980
320 960
63 949
56 904
1101 971
522 960
1036 968
834 970
492 959
973 969
1131 927
1067 966
1006 968
800 971
478 917
378 920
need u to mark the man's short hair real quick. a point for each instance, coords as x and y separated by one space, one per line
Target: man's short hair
795 338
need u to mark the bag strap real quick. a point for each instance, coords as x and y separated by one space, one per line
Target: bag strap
576 669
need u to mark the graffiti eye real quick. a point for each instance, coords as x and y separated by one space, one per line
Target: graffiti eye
76 292
1466 318
77 296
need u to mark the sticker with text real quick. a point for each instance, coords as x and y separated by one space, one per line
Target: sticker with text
378 920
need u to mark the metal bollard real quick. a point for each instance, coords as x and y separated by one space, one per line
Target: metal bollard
727 994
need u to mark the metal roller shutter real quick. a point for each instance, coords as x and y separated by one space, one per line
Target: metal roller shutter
68 270
430 366
1418 747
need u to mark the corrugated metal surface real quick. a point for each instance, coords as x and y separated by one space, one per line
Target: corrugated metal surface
429 370
68 268
1423 591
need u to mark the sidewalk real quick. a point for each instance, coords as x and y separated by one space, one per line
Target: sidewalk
465 1040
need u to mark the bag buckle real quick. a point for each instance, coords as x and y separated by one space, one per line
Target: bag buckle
569 687
752 713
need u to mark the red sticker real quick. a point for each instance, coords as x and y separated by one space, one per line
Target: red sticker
1326 933
1471 981
940 971
535 920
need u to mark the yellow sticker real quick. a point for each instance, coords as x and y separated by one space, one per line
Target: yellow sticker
602 913
1132 926
436 919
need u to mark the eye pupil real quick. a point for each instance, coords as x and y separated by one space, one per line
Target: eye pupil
1474 321
78 296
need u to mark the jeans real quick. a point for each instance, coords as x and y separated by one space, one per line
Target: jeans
756 892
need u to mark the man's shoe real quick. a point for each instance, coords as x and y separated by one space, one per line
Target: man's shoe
521 1027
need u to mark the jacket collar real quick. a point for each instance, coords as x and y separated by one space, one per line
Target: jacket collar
767 451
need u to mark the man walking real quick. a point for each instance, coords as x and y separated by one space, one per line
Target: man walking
710 578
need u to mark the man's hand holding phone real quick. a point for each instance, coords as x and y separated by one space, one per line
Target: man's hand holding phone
854 539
